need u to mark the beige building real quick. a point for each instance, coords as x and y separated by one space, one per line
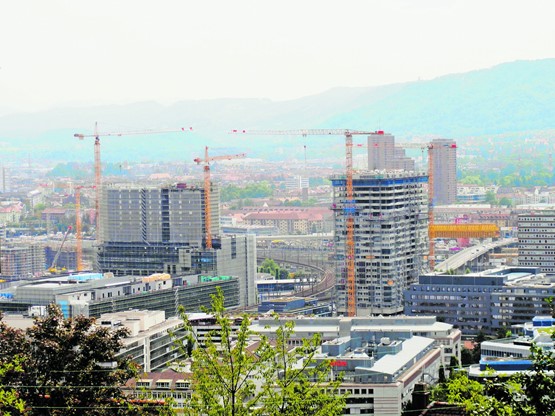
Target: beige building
445 171
291 221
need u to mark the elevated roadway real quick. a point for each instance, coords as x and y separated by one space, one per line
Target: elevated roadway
471 253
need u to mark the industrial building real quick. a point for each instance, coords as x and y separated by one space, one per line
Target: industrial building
485 301
445 171
390 214
152 229
536 240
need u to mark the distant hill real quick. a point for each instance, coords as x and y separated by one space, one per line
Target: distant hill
507 99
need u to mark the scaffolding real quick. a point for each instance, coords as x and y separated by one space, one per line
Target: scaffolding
464 231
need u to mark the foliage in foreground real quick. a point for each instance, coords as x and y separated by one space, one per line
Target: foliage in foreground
523 394
64 367
234 376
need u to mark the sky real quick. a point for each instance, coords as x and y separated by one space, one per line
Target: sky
75 52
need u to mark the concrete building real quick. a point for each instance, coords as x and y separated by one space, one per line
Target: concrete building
152 229
296 182
445 171
536 240
156 215
21 261
162 386
5 180
149 342
381 358
383 155
485 301
92 294
390 221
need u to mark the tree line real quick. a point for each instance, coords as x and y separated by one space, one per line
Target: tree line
72 367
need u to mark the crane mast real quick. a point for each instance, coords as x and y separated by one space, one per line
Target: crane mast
350 204
208 189
98 163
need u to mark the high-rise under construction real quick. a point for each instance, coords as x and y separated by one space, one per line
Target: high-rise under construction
390 234
162 229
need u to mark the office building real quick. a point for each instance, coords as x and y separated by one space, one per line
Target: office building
536 240
92 294
296 182
384 155
485 301
150 340
445 171
153 229
391 238
380 358
508 356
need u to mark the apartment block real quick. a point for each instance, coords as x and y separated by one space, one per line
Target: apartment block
445 171
390 233
21 261
384 155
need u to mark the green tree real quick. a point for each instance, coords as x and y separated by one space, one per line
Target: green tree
526 393
491 198
304 389
70 367
10 402
269 266
238 372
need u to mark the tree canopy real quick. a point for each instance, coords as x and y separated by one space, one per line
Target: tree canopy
65 367
238 372
524 393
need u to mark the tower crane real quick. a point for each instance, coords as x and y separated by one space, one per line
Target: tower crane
97 162
207 188
431 235
349 203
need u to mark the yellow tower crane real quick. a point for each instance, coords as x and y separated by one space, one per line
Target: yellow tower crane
208 187
350 205
97 161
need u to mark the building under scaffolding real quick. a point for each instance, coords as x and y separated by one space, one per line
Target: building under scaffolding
391 237
21 261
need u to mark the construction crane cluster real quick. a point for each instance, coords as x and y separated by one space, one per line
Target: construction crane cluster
349 209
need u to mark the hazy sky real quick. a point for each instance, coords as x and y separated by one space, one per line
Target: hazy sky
116 51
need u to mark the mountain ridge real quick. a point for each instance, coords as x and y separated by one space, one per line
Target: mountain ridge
509 98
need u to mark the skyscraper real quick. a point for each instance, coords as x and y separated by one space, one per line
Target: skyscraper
384 155
390 226
445 171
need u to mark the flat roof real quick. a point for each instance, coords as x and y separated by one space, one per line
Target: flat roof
410 348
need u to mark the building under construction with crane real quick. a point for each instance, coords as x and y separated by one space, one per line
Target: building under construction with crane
153 229
390 214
